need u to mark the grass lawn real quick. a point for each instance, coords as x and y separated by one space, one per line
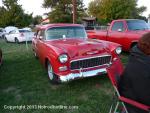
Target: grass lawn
23 81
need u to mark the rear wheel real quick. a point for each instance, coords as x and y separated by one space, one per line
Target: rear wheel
6 39
3 36
51 75
16 40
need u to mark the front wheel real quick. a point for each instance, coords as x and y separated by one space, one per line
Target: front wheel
53 78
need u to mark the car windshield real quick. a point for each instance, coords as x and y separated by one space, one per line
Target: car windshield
23 31
65 32
148 25
137 25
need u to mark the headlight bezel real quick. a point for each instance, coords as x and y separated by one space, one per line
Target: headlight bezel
63 58
118 50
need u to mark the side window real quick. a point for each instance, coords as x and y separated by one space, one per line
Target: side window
43 34
40 34
12 32
118 26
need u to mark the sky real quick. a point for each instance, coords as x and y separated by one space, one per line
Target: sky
35 6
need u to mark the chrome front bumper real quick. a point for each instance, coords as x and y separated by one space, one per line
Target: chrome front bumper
81 74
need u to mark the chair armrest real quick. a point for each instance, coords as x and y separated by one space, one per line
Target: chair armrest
135 103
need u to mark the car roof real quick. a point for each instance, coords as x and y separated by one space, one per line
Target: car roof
10 28
56 25
126 19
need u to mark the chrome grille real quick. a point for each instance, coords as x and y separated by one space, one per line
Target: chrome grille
90 62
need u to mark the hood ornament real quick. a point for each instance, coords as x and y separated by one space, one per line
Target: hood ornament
92 52
64 37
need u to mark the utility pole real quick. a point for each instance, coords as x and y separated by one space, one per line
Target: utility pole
74 2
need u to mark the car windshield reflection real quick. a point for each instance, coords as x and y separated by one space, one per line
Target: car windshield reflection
134 25
65 32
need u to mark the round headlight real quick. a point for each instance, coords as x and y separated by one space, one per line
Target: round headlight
118 50
63 58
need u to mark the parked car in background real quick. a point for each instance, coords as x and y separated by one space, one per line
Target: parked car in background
67 53
124 31
7 30
0 57
19 35
27 28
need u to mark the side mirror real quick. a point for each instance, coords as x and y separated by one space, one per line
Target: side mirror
41 38
119 30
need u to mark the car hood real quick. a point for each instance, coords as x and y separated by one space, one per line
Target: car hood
79 48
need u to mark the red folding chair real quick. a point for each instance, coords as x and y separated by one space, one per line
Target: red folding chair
114 73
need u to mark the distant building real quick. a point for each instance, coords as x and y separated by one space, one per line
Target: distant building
89 22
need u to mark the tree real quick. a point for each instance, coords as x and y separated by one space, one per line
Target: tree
2 16
61 10
107 10
37 20
13 14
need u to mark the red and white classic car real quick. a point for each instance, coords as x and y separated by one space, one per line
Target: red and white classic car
68 54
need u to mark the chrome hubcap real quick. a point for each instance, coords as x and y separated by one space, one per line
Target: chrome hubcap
50 71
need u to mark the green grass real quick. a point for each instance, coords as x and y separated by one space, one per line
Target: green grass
23 81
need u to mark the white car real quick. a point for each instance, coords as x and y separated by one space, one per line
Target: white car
19 35
27 28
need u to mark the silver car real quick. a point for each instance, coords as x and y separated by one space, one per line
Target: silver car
1 32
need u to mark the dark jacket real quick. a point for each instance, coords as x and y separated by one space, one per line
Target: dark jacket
135 80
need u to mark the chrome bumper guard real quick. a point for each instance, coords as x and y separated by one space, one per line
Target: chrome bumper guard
81 74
